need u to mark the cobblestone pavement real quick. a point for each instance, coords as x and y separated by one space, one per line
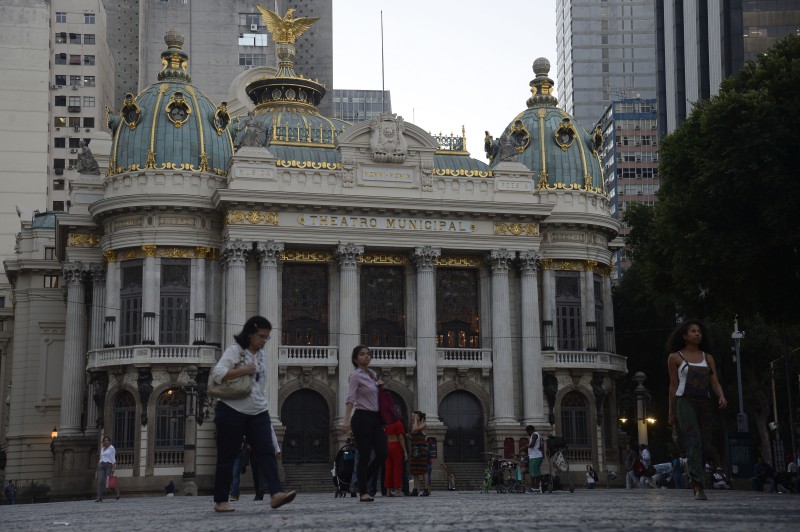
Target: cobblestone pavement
600 509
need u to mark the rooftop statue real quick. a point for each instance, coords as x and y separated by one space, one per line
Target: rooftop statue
286 29
86 162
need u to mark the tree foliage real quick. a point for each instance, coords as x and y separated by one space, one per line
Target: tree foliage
724 236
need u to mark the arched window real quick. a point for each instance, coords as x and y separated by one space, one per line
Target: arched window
124 437
575 420
170 425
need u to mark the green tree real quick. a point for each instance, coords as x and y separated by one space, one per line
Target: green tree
724 237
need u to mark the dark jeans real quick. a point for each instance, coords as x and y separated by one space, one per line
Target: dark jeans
232 425
370 438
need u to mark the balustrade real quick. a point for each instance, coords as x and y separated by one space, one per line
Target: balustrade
199 355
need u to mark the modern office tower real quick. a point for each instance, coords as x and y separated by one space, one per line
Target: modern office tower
606 51
356 105
225 37
630 160
766 21
81 86
24 99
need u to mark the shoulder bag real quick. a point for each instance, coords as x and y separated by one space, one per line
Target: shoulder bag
236 388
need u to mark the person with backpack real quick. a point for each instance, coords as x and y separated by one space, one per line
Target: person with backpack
591 477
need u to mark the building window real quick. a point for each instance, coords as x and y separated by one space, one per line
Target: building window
131 303
61 59
568 310
88 81
60 121
74 59
61 16
74 142
58 184
59 142
599 312
61 37
74 38
249 19
305 304
58 164
88 121
74 121
51 281
170 426
61 79
88 38
60 101
383 306
457 308
74 101
575 420
58 206
253 39
88 59
124 422
88 101
252 60
175 292
75 80
88 18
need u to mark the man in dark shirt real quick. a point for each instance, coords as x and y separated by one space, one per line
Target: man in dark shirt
762 474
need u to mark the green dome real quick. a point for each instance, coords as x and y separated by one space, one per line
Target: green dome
550 142
170 125
290 125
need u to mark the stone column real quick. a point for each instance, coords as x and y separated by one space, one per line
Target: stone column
198 301
349 316
214 304
190 433
268 254
112 304
608 317
530 327
589 341
73 382
234 257
502 373
427 392
98 274
549 335
151 285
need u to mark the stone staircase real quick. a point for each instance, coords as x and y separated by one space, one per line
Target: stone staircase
308 477
469 476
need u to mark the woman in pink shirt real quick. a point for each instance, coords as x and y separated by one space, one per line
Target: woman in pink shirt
362 402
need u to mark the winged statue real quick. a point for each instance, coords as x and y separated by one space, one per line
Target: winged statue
286 29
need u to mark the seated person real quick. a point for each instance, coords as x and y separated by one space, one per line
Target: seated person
762 474
721 481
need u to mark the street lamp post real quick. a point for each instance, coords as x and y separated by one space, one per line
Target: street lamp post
741 419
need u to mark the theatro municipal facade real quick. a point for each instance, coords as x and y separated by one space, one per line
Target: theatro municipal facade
483 290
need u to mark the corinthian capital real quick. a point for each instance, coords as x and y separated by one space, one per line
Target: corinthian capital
425 257
348 254
499 260
529 261
74 272
268 252
98 273
234 252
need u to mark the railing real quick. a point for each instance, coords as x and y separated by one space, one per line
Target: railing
124 459
203 355
395 357
465 358
169 458
584 360
579 455
591 339
308 356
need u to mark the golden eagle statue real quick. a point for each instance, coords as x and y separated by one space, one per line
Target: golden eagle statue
286 29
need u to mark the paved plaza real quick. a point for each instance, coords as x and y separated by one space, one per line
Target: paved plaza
600 509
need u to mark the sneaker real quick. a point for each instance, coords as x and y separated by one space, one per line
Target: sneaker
259 497
233 498
281 498
425 493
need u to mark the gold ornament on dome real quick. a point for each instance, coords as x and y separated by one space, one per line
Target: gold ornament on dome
130 112
516 229
285 30
565 134
252 217
221 118
178 109
82 240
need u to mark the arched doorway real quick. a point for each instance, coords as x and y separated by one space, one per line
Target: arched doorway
307 420
461 412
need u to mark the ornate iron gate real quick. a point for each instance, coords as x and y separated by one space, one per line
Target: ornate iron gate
461 412
307 439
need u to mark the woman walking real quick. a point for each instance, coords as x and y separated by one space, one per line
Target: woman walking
419 454
692 376
237 418
106 467
362 403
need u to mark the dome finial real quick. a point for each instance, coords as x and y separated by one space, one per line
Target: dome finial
174 60
541 85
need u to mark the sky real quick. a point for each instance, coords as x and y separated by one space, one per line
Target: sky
447 63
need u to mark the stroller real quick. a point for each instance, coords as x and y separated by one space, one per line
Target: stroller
343 466
557 456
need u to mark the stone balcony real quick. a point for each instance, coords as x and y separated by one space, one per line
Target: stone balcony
308 356
199 355
585 360
463 358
